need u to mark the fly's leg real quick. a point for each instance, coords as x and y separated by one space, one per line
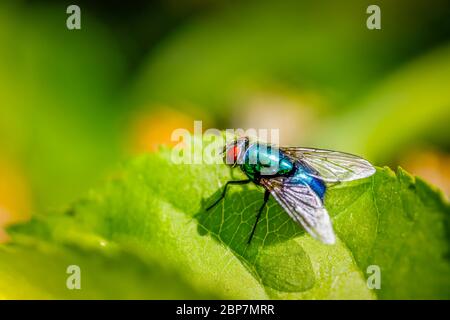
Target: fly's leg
224 192
266 198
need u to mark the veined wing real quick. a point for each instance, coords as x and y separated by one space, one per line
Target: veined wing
303 205
332 166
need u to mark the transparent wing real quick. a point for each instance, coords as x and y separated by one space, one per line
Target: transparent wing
303 205
332 166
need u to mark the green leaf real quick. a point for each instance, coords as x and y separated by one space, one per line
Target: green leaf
155 211
38 270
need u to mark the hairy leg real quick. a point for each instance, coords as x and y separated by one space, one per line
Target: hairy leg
237 182
266 198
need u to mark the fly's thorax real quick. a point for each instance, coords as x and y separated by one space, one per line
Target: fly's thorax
264 160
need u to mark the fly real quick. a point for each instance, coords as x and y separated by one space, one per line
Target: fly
297 178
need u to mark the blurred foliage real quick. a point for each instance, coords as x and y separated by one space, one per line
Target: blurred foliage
397 113
58 118
156 210
70 99
322 46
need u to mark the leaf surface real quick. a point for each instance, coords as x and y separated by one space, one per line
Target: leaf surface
155 211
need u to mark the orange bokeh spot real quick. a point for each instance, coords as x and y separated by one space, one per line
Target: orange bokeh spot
152 129
15 200
431 165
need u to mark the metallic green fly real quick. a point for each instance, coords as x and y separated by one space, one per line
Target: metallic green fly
297 178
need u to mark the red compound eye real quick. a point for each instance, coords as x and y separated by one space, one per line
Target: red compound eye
233 153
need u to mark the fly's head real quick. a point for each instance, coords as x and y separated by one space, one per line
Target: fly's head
233 152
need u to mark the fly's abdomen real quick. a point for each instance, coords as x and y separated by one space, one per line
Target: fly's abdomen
303 175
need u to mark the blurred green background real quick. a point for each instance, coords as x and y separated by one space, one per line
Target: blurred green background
74 103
